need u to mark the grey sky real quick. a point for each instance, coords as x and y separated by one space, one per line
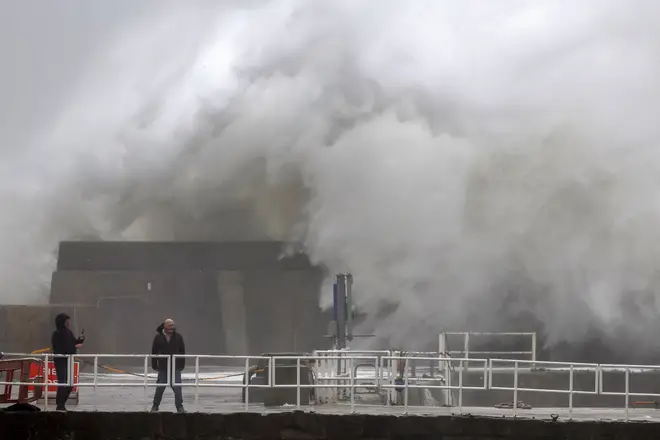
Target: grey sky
43 46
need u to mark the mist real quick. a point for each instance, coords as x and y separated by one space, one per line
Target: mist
476 165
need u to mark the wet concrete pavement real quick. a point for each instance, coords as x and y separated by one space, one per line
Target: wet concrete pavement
121 393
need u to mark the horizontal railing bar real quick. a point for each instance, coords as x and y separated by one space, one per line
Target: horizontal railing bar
489 333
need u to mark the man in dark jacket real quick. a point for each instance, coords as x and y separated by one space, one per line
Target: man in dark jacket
169 342
64 343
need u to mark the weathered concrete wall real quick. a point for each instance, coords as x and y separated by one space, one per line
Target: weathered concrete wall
159 256
227 297
27 328
299 425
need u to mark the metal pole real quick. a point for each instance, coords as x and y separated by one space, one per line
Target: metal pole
460 387
197 382
570 394
352 386
515 387
349 307
340 310
71 362
96 372
449 395
45 370
247 383
146 371
390 381
627 390
298 383
405 396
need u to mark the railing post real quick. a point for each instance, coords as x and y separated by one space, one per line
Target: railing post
460 387
352 382
466 345
170 372
534 348
45 370
298 382
379 372
627 391
96 375
247 383
515 387
146 378
197 382
486 375
390 376
449 395
442 343
70 362
570 393
405 395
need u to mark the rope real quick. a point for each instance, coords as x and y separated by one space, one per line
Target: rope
118 371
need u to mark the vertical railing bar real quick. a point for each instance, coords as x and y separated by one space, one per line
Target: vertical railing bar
460 387
627 392
466 347
247 384
487 375
298 382
197 382
405 396
515 388
570 392
146 378
46 370
352 382
96 372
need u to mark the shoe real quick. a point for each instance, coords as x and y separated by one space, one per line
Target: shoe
154 408
60 408
180 410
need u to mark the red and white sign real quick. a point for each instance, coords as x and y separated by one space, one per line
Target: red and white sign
37 370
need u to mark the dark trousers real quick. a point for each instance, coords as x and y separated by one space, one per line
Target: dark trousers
62 370
178 394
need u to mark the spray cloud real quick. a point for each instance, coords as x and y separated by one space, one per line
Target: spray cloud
469 162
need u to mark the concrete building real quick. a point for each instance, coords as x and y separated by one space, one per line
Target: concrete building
226 297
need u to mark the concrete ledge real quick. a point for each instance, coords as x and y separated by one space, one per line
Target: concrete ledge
302 426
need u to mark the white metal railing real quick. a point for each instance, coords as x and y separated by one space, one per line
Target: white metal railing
391 375
571 391
444 346
70 372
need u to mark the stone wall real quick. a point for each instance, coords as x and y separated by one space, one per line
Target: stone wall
303 426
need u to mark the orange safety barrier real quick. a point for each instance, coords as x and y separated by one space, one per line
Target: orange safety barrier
26 394
37 370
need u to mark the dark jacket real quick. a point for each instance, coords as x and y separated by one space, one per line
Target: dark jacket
63 341
162 346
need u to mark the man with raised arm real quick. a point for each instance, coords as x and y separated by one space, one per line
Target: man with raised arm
168 342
